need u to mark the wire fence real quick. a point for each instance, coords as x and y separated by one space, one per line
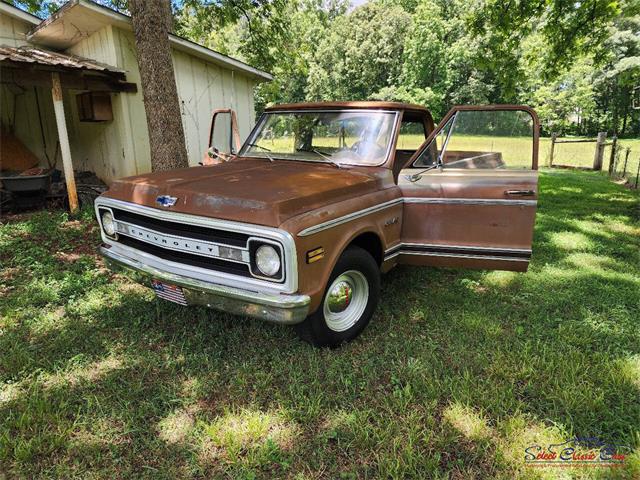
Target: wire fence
620 158
624 167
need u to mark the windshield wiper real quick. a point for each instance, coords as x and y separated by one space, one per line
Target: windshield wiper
263 148
259 146
327 157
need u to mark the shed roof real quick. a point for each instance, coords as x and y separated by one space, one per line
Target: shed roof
78 19
40 56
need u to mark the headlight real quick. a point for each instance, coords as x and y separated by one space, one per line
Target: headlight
108 225
267 260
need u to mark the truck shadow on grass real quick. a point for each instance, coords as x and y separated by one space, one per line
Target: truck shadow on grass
457 374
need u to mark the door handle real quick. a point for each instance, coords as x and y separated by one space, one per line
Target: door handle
522 193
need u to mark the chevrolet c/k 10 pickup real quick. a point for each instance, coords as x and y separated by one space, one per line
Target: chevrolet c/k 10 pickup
297 226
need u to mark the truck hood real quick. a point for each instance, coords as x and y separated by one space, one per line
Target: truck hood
251 190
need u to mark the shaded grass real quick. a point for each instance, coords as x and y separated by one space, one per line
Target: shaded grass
458 372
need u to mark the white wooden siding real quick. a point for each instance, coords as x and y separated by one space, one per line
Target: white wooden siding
13 32
204 87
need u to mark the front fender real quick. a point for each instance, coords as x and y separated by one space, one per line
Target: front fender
382 217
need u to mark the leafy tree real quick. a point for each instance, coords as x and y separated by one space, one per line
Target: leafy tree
619 75
261 25
569 27
567 105
359 54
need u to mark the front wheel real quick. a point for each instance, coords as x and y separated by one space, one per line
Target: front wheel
349 301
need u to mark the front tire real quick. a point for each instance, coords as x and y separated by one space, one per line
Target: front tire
348 303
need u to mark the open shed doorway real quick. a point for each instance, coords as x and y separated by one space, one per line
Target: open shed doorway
53 107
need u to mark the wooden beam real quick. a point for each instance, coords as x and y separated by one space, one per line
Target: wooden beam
117 75
65 149
80 80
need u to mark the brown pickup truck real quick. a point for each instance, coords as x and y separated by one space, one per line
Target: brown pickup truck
298 225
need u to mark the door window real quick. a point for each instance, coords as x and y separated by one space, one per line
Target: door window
412 135
483 139
430 155
222 133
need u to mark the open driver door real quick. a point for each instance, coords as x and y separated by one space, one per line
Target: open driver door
470 192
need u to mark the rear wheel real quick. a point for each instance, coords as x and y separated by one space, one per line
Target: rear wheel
349 301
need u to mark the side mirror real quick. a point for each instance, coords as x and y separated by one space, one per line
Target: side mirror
224 137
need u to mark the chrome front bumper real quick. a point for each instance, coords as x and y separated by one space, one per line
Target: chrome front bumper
273 307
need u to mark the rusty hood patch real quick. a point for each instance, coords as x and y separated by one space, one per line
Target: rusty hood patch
249 190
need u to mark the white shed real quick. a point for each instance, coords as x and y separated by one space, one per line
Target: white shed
90 34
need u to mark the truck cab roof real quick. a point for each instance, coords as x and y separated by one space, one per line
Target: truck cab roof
359 105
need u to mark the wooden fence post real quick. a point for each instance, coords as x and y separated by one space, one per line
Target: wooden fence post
554 137
597 159
626 159
612 157
638 174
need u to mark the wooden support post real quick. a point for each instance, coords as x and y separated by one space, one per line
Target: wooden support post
612 157
63 136
598 157
554 137
638 174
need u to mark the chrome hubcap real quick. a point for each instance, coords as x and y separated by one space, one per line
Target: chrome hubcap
346 300
339 297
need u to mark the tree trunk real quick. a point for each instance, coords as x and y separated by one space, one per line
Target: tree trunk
151 27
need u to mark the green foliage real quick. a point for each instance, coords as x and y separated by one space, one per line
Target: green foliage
568 27
576 62
44 8
359 53
259 25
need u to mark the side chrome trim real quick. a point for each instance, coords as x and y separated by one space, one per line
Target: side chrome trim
347 218
459 251
458 255
283 237
397 246
471 201
434 201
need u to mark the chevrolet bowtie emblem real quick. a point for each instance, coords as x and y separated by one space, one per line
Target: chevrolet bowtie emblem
166 200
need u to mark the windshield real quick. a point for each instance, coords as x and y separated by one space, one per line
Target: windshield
342 137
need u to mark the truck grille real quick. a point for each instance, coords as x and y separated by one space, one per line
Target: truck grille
194 245
181 229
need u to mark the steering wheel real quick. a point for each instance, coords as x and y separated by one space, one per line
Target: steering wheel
367 148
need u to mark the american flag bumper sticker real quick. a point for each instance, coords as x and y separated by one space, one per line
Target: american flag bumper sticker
169 292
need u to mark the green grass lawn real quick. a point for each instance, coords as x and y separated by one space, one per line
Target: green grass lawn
457 374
